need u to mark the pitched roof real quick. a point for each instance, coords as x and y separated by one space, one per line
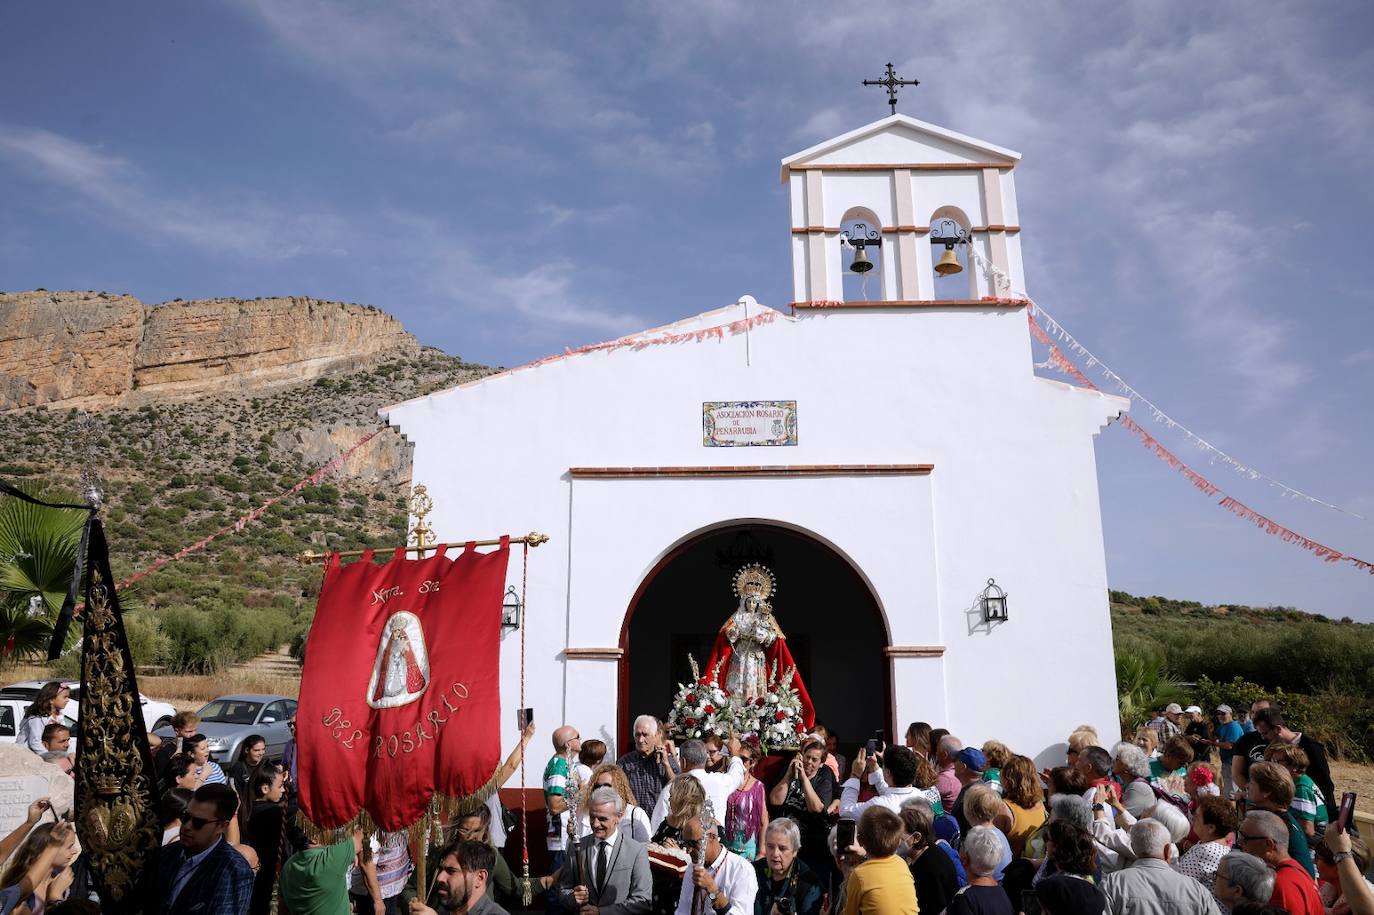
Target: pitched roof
972 144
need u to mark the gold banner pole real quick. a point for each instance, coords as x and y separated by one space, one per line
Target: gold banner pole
421 535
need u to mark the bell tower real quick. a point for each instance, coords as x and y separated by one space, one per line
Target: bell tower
898 204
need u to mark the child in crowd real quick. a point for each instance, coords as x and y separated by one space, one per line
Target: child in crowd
881 884
588 758
997 755
1308 807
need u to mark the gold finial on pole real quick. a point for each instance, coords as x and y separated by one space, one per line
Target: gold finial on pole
421 535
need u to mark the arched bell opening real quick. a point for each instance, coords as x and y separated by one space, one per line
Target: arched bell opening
861 256
834 624
952 268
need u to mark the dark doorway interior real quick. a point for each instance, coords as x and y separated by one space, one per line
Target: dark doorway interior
833 626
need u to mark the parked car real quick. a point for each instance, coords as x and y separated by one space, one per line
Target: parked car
229 719
16 698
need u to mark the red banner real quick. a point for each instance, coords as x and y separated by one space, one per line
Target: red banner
400 693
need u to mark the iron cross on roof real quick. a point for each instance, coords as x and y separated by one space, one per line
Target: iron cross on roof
891 82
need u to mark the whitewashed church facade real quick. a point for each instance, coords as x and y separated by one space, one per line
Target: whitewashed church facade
885 456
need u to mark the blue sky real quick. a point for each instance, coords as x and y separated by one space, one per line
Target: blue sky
510 179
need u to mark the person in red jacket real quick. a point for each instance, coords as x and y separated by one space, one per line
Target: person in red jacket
1265 835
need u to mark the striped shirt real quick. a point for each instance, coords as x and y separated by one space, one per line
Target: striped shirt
556 785
1308 803
212 773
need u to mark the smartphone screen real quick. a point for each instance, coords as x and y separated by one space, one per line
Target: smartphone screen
1347 812
844 834
871 746
523 717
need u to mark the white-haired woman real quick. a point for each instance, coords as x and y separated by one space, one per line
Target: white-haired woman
1131 764
785 883
1118 839
981 853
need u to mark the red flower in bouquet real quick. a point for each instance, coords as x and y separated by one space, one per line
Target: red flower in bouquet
759 702
779 715
709 710
690 722
801 728
691 698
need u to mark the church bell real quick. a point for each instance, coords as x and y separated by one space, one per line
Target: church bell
861 263
948 265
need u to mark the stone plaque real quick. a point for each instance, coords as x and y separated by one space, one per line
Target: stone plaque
16 793
746 423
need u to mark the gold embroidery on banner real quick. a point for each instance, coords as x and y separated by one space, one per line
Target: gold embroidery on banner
116 823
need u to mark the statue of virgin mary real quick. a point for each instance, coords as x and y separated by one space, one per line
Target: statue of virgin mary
751 643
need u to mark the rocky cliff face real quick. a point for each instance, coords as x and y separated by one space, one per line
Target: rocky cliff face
74 348
95 350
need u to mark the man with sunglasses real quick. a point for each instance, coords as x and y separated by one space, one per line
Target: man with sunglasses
203 872
1265 835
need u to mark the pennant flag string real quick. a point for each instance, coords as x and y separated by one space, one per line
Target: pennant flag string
256 513
1002 281
1059 361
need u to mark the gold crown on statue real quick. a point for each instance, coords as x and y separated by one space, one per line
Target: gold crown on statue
755 580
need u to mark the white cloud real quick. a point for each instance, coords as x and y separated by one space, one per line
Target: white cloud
233 221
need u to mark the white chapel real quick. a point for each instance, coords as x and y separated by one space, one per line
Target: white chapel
881 444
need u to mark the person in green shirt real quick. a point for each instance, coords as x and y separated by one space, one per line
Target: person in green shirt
1271 788
314 881
1308 806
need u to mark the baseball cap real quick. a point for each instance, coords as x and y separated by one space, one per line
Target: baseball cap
1173 708
1193 708
1224 708
973 758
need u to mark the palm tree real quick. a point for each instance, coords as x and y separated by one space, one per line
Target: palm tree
1143 684
38 548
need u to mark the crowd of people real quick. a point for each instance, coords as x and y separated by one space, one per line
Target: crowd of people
1190 816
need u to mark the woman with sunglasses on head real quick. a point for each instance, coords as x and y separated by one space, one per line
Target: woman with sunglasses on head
746 811
634 821
669 857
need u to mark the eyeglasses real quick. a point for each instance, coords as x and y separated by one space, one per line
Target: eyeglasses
691 844
201 822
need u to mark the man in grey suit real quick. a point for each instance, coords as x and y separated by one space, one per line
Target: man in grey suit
610 872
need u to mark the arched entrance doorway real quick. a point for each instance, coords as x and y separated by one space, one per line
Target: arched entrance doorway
834 626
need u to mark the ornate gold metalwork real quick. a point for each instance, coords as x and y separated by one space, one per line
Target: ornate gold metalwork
421 538
755 580
422 535
306 557
115 801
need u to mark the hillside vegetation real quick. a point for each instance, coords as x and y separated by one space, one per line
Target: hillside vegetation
1321 670
175 472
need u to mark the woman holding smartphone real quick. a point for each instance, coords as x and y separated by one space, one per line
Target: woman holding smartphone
803 794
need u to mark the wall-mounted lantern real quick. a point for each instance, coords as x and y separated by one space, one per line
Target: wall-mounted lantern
510 609
994 603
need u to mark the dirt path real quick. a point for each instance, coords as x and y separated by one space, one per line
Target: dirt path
274 672
1357 778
